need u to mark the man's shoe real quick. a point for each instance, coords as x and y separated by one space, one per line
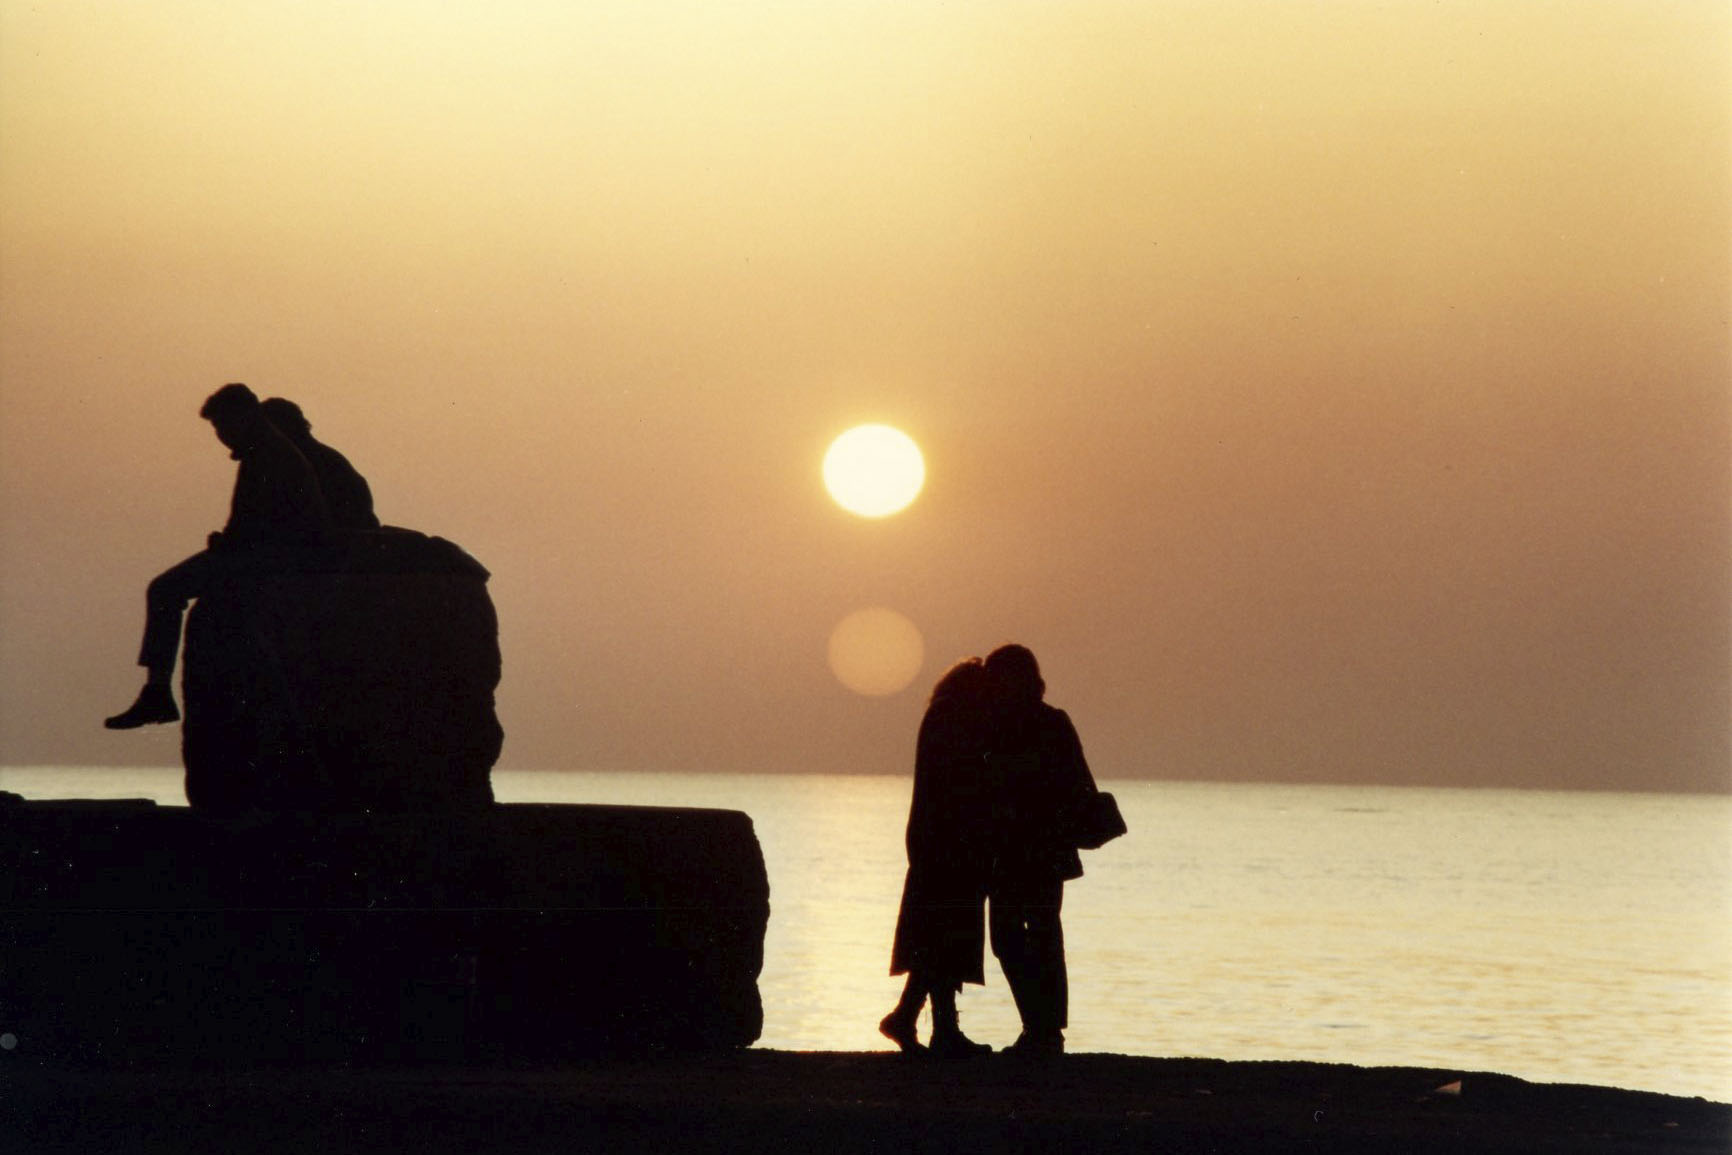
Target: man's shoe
1042 1045
155 704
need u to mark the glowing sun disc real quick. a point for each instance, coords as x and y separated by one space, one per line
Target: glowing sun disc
874 470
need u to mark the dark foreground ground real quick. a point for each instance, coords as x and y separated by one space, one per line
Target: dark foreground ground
837 1103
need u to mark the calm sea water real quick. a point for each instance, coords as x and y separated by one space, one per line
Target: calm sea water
1556 937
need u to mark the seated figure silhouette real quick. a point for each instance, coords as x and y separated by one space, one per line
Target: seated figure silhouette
331 663
1044 787
940 936
277 512
348 497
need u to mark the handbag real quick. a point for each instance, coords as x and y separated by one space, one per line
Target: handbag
1100 821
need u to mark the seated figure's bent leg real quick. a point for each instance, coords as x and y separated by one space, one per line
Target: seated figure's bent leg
165 604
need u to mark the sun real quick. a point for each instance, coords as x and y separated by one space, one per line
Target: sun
874 470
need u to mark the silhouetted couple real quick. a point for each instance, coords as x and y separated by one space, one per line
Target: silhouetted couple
1000 790
291 493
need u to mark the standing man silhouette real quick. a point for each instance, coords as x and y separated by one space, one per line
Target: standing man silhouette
1044 784
276 514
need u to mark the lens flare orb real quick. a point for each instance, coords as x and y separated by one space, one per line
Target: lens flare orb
876 652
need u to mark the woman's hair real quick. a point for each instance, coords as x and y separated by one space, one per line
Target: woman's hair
966 679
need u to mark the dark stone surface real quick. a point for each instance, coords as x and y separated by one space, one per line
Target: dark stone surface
362 680
839 1104
133 934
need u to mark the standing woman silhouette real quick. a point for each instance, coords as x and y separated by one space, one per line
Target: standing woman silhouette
940 929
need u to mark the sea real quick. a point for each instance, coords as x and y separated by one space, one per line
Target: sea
1557 937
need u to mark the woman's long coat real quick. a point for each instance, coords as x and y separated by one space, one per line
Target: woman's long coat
940 928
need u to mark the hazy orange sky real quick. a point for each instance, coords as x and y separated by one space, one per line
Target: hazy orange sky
1325 391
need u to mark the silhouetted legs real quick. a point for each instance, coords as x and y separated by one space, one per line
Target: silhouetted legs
947 1037
1028 939
165 602
898 1025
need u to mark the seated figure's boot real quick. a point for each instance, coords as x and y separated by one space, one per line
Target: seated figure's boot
155 704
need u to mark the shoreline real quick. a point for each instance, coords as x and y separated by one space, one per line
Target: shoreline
840 1102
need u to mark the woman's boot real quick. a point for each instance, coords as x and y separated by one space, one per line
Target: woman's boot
898 1025
948 1041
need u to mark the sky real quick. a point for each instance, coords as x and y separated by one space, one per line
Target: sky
1326 392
